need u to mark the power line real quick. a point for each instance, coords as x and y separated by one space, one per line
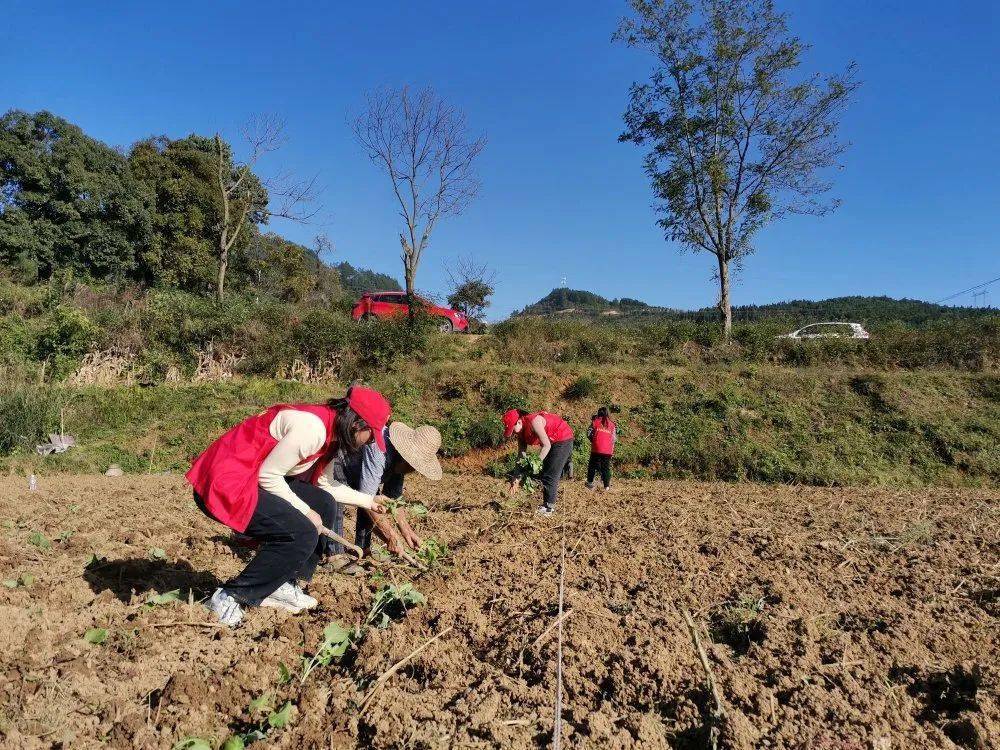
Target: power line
966 291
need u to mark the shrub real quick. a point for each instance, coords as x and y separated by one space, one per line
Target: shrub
27 414
583 387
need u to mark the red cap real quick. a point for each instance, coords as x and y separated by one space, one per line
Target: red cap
372 407
510 418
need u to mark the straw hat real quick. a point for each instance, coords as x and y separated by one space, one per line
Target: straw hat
418 447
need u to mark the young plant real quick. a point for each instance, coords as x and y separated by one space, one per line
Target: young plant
336 640
96 636
391 603
165 598
528 467
432 552
39 540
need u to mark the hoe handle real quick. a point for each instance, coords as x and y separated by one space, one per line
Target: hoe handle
353 548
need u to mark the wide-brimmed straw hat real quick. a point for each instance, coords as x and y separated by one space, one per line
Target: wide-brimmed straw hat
418 447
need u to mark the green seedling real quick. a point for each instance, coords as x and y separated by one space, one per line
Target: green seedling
96 636
284 674
264 703
432 552
280 719
10 583
192 743
27 579
528 467
165 598
233 743
64 536
156 553
419 510
38 539
95 561
336 640
391 603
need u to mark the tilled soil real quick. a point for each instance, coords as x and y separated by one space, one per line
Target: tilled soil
841 619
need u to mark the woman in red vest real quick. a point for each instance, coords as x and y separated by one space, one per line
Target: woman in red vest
555 437
602 433
270 479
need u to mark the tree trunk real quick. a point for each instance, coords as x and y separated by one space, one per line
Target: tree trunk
410 275
220 290
725 306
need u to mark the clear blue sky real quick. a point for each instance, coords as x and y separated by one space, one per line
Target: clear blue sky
920 188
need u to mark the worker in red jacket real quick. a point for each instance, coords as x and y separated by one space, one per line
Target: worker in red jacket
555 438
602 433
270 478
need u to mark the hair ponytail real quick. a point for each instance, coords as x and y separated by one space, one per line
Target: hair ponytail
602 414
346 423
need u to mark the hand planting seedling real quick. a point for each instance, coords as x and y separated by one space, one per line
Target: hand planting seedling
391 603
336 640
432 552
526 469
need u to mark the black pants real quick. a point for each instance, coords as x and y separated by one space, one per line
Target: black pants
291 546
552 469
599 463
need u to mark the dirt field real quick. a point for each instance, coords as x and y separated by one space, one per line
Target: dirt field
833 619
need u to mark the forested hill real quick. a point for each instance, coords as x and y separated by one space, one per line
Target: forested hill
581 303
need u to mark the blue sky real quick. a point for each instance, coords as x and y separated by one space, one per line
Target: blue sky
920 189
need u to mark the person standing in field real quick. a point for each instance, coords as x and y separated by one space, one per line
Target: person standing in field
270 478
555 438
603 434
373 472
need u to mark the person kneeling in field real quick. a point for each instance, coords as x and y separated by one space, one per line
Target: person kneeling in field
406 450
555 437
270 478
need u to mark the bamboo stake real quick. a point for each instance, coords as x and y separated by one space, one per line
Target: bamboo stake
384 678
718 715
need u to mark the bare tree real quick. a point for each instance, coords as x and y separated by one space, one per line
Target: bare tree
422 144
736 138
245 196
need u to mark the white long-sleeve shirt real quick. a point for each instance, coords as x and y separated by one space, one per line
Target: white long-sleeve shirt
301 434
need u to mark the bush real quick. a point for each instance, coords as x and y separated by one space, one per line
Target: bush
583 387
27 414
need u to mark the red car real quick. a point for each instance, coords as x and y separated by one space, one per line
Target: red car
393 305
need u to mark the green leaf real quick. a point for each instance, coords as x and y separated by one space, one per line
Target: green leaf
419 510
253 736
65 535
95 560
27 579
166 598
263 703
38 539
281 718
284 674
96 635
192 743
10 583
335 633
233 743
157 554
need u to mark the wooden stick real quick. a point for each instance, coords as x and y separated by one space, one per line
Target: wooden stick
384 678
213 625
557 727
558 623
718 715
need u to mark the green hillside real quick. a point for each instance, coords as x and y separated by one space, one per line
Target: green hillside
580 303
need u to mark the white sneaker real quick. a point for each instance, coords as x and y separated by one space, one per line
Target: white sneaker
304 600
226 608
284 598
543 511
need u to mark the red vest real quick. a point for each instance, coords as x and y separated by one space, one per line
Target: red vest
555 427
225 475
603 440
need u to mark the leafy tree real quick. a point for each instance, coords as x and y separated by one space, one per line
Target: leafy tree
181 177
357 281
472 285
735 139
66 200
290 272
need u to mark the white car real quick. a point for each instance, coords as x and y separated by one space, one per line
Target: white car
829 331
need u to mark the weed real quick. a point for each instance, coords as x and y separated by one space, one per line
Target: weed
738 623
391 603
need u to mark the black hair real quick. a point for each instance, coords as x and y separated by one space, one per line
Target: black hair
602 414
346 422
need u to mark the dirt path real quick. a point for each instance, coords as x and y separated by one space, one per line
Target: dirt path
835 620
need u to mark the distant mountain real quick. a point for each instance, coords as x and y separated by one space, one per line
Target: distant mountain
579 303
361 280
